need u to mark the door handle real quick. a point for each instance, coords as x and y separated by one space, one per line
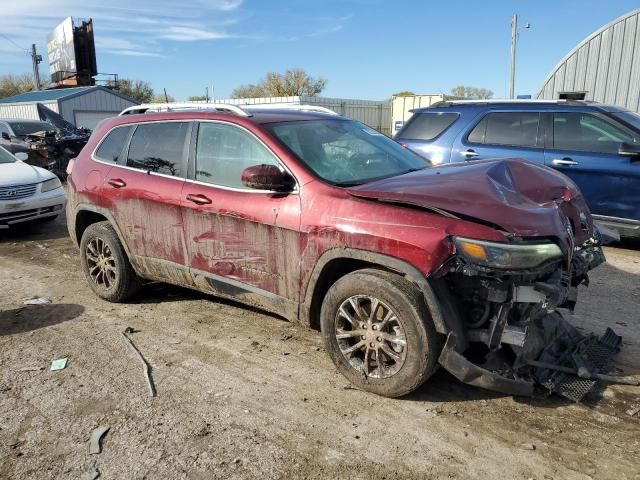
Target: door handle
564 161
198 199
117 182
469 154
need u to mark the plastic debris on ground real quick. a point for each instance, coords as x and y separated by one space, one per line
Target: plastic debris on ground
58 364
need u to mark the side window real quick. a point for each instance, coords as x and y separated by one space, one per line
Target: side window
588 133
159 147
427 126
515 129
224 151
4 129
110 150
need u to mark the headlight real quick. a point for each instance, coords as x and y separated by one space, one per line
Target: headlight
506 256
50 184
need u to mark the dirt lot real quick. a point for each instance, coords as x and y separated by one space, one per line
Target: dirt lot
242 394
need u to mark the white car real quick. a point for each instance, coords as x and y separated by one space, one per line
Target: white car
27 193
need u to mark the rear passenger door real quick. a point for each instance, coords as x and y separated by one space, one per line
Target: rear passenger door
242 243
501 134
144 189
584 146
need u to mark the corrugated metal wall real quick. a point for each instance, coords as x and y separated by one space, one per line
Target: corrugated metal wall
27 111
93 101
606 65
376 114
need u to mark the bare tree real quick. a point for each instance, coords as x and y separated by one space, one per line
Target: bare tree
14 84
471 93
293 82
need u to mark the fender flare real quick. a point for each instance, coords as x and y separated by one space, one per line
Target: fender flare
444 317
87 207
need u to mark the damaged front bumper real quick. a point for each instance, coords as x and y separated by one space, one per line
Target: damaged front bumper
511 326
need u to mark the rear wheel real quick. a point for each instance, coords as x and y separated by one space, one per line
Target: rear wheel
378 332
105 264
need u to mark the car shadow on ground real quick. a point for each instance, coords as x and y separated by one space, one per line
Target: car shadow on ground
33 317
157 292
40 231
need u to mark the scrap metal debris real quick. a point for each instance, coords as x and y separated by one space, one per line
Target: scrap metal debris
145 364
96 437
572 363
58 364
53 149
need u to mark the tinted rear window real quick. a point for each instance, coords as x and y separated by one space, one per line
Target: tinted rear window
427 126
111 147
518 129
159 148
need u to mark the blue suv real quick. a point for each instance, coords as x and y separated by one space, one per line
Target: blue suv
597 146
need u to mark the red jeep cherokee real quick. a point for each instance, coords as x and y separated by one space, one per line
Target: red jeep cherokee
327 222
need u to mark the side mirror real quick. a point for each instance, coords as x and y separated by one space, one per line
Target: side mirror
22 156
267 177
6 136
629 150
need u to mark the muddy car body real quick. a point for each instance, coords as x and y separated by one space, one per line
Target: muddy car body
327 222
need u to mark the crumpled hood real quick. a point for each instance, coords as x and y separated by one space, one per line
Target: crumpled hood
520 197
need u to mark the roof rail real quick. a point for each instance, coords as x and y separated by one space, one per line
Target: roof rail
291 106
177 106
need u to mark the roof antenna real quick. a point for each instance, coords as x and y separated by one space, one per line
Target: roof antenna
166 98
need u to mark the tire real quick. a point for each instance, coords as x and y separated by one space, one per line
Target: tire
102 252
401 368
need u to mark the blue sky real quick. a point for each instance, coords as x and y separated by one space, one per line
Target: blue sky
365 48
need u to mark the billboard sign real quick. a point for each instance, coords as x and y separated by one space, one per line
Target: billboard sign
61 51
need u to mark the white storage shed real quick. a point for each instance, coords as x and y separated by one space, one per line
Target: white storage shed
81 106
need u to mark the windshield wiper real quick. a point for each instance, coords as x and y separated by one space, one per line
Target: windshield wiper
369 180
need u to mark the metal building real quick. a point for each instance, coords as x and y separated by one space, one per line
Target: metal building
604 67
375 114
81 106
401 107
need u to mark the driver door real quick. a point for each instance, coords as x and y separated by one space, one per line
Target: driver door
240 241
584 146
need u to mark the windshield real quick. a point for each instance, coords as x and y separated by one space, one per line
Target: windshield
6 157
29 128
631 118
345 152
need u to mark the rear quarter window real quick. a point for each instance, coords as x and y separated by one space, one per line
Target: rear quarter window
110 150
427 126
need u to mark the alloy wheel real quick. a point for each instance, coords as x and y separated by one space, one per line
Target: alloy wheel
370 336
101 263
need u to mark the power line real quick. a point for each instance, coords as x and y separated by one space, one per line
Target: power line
26 50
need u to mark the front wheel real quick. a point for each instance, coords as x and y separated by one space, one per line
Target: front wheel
378 332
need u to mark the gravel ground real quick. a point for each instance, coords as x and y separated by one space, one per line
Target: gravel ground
242 394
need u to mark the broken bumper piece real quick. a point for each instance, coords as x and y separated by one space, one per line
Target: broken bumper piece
468 372
555 358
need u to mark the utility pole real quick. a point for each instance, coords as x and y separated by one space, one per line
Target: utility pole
35 60
514 41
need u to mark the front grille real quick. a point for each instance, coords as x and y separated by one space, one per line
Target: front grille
16 192
23 215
